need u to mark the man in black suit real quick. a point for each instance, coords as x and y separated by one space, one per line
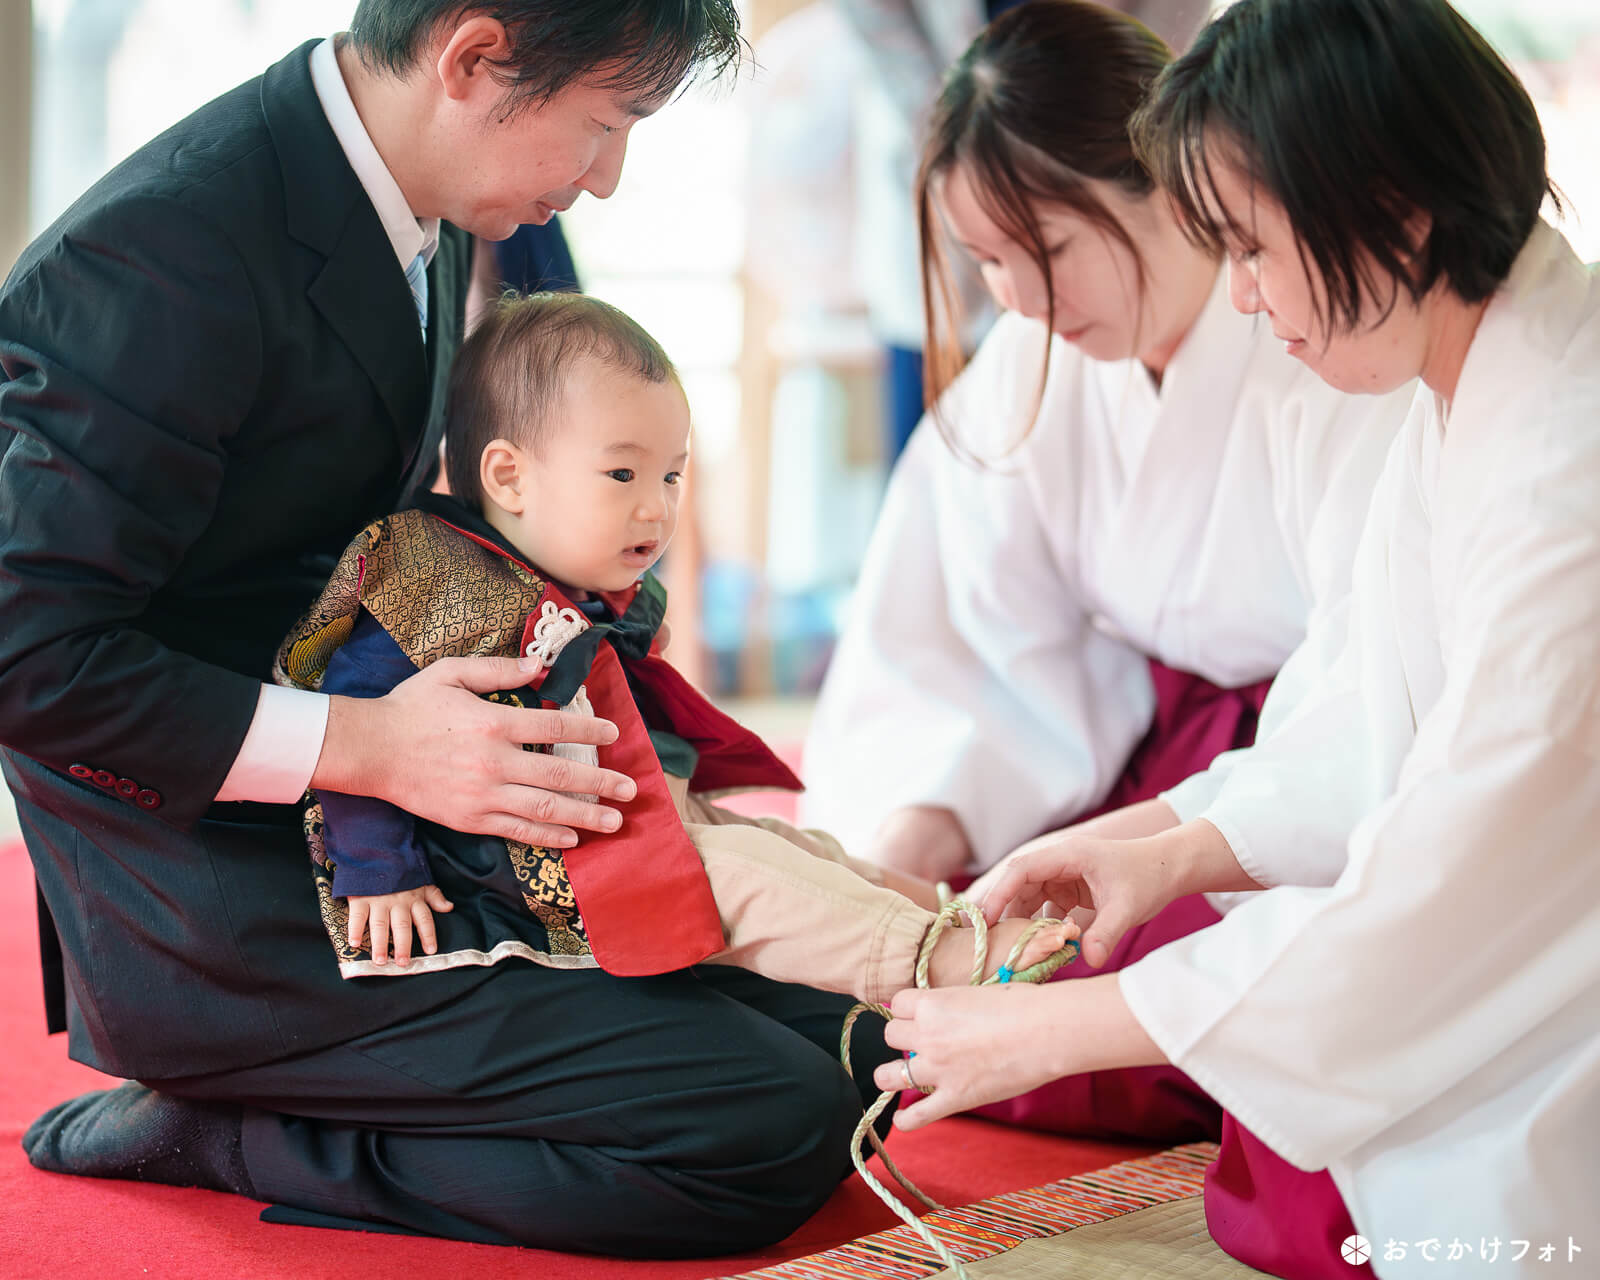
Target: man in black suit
221 363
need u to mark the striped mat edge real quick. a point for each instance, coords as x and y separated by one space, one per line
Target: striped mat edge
993 1226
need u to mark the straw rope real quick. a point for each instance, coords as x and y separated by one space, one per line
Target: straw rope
865 1132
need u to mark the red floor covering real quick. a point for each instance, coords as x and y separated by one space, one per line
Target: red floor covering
53 1226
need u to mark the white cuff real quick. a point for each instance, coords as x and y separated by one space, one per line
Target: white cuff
1243 854
1193 796
281 749
1176 1006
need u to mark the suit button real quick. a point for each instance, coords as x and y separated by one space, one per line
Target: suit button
104 778
127 788
148 799
80 771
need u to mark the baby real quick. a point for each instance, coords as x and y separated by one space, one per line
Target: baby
567 435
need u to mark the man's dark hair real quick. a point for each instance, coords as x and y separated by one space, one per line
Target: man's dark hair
511 374
1356 116
649 47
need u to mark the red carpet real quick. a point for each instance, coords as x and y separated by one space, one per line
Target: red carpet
52 1225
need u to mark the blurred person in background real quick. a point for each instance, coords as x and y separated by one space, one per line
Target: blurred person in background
903 48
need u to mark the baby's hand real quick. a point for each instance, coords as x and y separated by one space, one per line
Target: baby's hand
393 915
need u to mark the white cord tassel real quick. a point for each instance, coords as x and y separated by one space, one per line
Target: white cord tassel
553 631
578 752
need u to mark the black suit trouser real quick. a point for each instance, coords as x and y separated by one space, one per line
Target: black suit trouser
689 1114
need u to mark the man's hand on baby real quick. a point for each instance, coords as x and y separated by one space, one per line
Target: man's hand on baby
393 917
435 748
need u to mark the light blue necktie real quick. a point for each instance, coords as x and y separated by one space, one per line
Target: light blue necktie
417 278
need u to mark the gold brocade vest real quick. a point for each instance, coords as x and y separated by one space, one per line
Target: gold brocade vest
438 595
443 590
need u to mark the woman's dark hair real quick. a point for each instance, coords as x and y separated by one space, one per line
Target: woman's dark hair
1356 116
1036 107
510 375
650 47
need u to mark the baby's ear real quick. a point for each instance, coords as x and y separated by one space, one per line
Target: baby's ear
500 471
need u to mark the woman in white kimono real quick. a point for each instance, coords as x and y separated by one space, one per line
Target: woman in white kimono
1181 490
1094 615
1405 1027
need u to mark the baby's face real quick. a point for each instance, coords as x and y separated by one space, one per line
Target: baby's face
603 485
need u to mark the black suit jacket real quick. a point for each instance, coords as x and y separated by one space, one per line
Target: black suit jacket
211 377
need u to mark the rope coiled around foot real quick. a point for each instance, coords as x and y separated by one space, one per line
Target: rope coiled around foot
865 1132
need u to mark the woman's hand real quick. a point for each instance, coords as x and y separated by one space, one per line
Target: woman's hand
1145 818
1122 882
1112 885
922 841
434 748
976 1045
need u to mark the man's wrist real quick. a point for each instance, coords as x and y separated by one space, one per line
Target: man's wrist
352 730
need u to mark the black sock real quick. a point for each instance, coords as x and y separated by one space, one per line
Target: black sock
135 1133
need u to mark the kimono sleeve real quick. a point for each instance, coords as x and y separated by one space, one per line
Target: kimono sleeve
372 843
1335 726
969 676
1328 451
1462 928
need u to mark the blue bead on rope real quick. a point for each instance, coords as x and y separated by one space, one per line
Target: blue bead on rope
1003 974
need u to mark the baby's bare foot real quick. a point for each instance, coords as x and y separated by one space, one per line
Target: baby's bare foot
951 965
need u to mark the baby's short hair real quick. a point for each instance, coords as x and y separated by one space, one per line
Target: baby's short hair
509 376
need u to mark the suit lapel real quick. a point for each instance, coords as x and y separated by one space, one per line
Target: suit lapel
361 291
362 294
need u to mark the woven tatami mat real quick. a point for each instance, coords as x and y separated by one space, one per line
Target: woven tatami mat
1166 1242
1139 1220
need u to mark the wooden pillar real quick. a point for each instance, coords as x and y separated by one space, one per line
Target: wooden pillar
758 379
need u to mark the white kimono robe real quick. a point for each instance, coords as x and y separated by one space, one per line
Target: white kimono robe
994 661
1423 1020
